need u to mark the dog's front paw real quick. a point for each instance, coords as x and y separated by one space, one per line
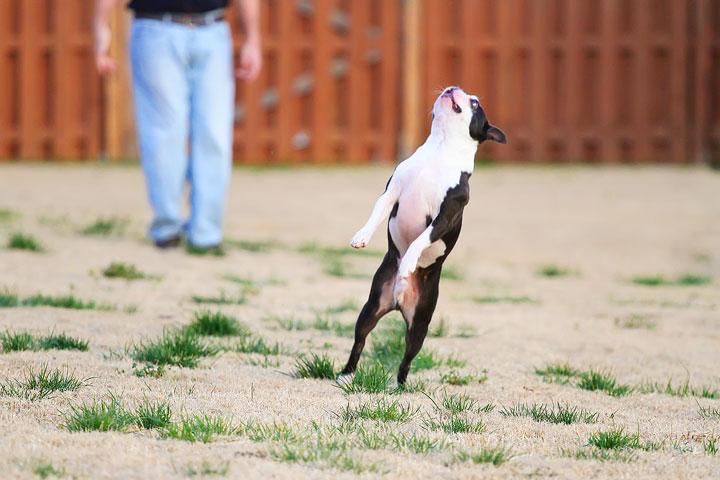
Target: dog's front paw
345 378
361 239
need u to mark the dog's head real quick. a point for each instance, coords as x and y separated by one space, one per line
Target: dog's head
457 113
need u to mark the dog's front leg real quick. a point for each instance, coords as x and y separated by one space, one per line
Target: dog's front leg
382 209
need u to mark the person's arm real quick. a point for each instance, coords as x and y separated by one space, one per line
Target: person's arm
102 36
250 53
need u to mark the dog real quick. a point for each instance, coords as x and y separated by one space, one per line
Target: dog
424 198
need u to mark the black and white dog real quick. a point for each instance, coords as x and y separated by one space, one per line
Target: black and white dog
425 198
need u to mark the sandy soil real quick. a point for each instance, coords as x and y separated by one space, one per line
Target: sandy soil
607 225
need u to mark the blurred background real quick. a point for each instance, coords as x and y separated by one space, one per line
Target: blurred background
352 81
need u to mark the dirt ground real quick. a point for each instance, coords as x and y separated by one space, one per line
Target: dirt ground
605 225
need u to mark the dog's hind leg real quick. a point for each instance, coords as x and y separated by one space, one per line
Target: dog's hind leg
419 301
380 302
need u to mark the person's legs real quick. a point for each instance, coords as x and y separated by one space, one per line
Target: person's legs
160 91
211 124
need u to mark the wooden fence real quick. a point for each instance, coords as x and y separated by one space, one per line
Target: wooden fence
590 80
353 80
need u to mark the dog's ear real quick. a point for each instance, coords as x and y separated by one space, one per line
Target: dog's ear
495 134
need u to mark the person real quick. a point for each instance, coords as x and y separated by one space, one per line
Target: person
181 56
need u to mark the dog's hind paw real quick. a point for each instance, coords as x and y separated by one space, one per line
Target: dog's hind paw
345 378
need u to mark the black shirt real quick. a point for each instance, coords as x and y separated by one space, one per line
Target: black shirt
181 6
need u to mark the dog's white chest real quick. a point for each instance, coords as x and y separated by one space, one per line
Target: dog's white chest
423 189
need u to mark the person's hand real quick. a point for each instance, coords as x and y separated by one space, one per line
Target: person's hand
250 61
102 36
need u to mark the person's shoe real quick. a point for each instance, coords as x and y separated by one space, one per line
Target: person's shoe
170 242
214 250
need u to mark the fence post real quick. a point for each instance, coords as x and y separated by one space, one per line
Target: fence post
117 105
411 127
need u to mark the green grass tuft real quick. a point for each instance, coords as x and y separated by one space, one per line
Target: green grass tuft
199 428
105 227
206 469
381 409
455 424
45 469
289 323
554 414
216 324
710 445
616 439
43 383
453 377
684 280
182 348
457 403
103 416
65 301
7 215
372 379
681 390
553 271
452 273
218 251
155 371
260 345
315 366
494 455
21 241
254 246
709 412
8 299
440 329
604 381
124 270
503 299
636 320
153 414
222 299
61 341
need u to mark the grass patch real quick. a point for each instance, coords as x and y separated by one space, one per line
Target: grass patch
221 299
553 414
455 424
456 403
206 469
65 301
616 439
124 270
493 455
368 379
289 323
103 416
344 306
453 377
8 299
440 329
45 469
24 340
21 241
381 409
199 428
105 227
684 280
153 414
182 348
335 266
552 271
155 371
709 412
635 321
710 446
216 325
503 299
603 381
452 273
325 251
682 390
254 246
218 251
252 344
62 341
600 455
7 215
417 443
315 366
325 322
43 383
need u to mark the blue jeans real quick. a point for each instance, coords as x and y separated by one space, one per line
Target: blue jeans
183 88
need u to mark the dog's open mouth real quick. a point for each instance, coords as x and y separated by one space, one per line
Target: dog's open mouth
456 108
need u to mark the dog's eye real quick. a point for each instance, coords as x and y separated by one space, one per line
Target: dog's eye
474 104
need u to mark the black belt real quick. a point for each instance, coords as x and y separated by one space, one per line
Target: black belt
188 19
